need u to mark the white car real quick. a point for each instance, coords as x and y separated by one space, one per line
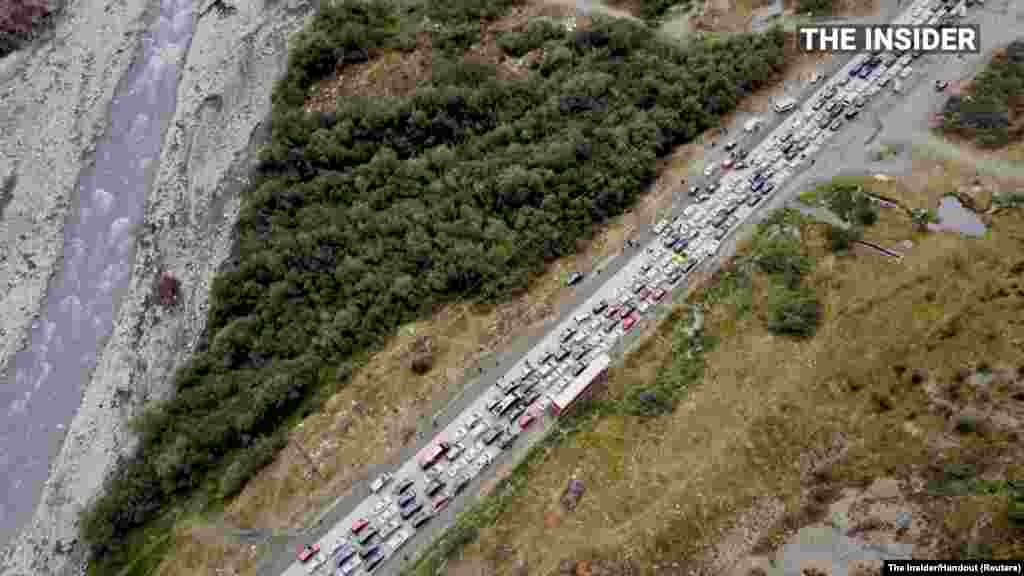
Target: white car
399 539
710 169
380 482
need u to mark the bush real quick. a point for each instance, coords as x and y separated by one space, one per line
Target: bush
783 257
842 239
537 32
794 312
816 7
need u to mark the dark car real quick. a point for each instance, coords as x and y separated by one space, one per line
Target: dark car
411 510
574 279
369 551
406 499
421 520
343 553
491 436
403 486
372 562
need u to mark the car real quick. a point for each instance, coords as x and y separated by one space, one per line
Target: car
441 502
815 77
852 113
574 279
359 525
836 124
491 435
694 190
941 85
730 145
434 455
370 551
818 104
859 101
343 553
378 484
509 436
372 562
658 294
600 307
906 72
307 552
389 529
403 486
527 419
433 487
710 169
406 499
420 520
411 510
349 567
629 321
461 482
455 451
368 535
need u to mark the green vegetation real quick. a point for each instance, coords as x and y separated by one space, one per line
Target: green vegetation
388 208
842 239
685 368
651 10
991 115
794 309
815 7
536 34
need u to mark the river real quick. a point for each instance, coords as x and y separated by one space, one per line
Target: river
48 378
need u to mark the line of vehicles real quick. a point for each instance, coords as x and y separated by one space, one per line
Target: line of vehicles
400 506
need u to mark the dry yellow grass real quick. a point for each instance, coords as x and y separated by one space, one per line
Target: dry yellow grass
666 491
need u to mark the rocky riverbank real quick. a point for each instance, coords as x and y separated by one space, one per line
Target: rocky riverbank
53 103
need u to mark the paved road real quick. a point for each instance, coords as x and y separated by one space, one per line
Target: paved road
588 291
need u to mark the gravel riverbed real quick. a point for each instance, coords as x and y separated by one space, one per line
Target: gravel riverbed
53 109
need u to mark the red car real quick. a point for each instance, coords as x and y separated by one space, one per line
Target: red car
306 552
527 419
442 502
431 458
658 294
629 321
612 312
642 293
360 525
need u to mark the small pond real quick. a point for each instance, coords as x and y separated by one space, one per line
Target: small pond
953 215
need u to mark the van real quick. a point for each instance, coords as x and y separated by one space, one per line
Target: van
784 105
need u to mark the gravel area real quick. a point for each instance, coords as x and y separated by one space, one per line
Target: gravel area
53 102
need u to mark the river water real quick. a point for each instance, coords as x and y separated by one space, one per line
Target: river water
45 390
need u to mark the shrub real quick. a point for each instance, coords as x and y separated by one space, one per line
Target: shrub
781 256
987 113
537 32
842 239
794 311
816 7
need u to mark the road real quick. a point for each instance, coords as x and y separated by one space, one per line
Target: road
614 275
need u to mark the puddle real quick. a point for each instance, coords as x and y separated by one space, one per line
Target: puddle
953 215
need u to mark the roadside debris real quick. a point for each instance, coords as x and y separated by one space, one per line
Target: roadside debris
573 493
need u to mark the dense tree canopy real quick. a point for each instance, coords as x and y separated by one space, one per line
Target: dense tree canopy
388 208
